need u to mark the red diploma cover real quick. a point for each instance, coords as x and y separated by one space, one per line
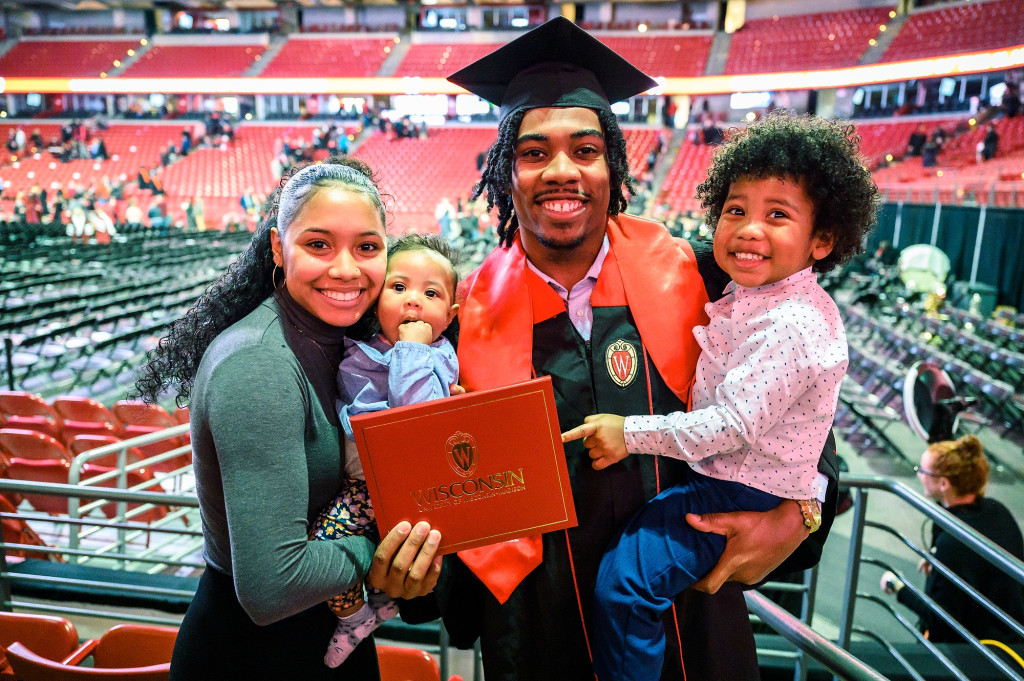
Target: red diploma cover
481 468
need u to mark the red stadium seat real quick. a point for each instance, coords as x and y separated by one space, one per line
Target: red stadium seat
20 409
140 418
134 645
31 667
408 664
71 407
50 637
31 444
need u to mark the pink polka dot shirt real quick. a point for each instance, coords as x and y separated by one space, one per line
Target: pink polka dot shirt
765 391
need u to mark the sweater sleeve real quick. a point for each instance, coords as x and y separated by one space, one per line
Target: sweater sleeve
258 417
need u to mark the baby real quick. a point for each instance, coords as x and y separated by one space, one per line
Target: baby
406 362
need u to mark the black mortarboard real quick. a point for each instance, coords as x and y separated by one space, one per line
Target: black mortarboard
556 64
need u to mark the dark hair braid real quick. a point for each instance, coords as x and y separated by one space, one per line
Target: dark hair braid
246 283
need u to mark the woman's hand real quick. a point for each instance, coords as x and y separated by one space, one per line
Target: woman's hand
404 564
756 543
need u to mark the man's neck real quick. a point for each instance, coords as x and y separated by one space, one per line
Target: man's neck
566 266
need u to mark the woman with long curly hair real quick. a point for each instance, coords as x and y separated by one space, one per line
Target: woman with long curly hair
954 473
256 359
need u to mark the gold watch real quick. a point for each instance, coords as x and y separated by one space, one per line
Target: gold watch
811 512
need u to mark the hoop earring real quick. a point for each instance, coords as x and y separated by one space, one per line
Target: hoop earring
273 278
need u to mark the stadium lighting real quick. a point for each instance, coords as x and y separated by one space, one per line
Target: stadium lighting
889 72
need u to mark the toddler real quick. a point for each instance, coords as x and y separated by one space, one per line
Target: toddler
788 198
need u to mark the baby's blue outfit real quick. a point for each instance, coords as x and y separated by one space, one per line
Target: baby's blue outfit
375 375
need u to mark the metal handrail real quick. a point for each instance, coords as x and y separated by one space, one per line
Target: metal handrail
120 472
76 492
825 652
60 489
971 539
960 530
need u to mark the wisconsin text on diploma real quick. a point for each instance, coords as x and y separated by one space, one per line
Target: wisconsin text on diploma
471 489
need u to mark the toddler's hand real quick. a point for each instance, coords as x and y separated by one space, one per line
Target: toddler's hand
416 332
603 437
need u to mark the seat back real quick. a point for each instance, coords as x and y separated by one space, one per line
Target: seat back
19 409
140 418
138 413
135 645
406 664
45 470
88 441
31 444
83 409
51 637
31 667
21 403
73 429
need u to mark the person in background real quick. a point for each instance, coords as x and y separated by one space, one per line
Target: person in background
915 143
990 144
954 473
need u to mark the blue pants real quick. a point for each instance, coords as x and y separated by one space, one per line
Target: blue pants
657 556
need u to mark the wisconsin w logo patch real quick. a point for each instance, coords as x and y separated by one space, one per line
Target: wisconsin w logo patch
620 358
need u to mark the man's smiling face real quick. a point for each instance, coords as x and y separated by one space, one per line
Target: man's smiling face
561 181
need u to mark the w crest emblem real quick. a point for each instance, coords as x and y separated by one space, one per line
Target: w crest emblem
461 452
620 358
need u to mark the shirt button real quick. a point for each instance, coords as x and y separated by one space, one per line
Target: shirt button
579 313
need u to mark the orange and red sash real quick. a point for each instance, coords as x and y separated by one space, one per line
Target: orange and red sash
646 269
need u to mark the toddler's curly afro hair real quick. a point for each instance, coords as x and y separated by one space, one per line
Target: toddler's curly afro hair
822 155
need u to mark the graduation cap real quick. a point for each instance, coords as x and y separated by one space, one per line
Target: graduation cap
557 64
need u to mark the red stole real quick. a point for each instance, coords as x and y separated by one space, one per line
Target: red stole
646 269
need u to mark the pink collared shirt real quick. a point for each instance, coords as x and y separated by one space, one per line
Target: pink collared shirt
577 301
765 391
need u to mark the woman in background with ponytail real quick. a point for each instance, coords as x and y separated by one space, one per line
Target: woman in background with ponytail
954 473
